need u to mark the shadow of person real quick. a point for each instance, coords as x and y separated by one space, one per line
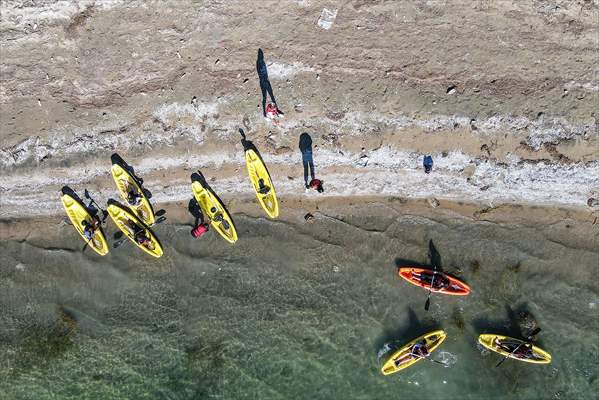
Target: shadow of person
434 256
265 85
305 146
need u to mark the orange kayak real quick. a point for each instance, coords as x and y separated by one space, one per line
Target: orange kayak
443 283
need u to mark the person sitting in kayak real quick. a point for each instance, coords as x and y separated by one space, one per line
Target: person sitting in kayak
262 188
419 350
89 229
316 184
141 238
522 350
219 218
133 196
138 233
440 282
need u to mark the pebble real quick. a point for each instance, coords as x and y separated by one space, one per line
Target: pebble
433 202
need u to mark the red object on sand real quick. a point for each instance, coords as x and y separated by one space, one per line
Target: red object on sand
271 111
315 183
422 277
199 230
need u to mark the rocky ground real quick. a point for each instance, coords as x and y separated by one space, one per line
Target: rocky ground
503 94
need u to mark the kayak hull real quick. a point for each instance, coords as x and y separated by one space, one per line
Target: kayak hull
121 217
488 341
455 287
432 339
256 171
207 200
124 180
77 213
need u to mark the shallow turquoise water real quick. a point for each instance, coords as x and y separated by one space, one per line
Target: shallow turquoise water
294 310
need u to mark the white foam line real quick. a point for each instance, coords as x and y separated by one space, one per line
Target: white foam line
537 132
184 121
386 171
279 70
16 15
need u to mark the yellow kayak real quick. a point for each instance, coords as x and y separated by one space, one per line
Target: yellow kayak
404 355
128 223
78 213
265 191
505 345
125 182
215 211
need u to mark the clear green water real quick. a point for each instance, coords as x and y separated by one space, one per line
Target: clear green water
293 311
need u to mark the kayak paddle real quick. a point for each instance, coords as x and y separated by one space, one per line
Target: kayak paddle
431 255
92 201
159 220
432 360
529 337
428 299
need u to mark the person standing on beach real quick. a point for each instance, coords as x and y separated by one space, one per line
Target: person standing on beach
305 146
266 87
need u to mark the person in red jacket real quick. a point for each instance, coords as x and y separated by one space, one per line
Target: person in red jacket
199 230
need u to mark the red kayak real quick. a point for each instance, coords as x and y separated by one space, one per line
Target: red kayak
443 283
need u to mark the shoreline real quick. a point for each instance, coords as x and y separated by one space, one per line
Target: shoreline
553 221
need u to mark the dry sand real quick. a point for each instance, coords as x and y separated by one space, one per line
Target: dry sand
503 94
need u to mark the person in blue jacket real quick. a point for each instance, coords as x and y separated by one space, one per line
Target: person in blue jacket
428 164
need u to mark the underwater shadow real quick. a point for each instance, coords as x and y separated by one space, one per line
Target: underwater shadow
519 322
399 335
404 262
434 256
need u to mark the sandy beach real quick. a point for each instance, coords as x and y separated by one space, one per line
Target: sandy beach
503 95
